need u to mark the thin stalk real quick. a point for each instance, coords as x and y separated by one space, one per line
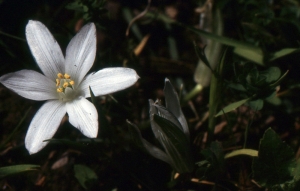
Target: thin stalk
15 129
12 36
214 98
247 129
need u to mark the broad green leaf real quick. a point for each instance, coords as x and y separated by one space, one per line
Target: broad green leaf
15 169
249 152
256 104
279 80
271 74
275 162
232 107
85 175
75 6
273 99
238 87
176 144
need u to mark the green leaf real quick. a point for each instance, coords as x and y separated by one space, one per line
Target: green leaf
85 175
273 99
201 54
275 162
82 146
195 91
92 95
254 55
214 163
237 86
256 104
232 107
243 49
217 151
284 52
279 80
249 152
296 172
176 144
271 74
151 149
215 95
90 146
12 170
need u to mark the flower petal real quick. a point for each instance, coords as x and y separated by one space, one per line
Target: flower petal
44 124
80 54
30 84
45 49
107 81
83 115
173 105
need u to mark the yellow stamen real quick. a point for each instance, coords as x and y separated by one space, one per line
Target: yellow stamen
72 83
66 84
67 76
57 82
59 75
59 90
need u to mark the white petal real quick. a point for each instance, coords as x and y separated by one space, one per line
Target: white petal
83 115
80 54
44 124
107 81
30 84
45 49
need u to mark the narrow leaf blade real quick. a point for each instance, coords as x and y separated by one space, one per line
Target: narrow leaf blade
232 107
12 170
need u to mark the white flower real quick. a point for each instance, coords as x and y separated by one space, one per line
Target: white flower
64 84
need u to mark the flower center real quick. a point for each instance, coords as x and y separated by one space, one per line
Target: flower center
65 86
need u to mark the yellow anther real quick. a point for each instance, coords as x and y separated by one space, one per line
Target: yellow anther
59 75
67 76
66 84
57 82
72 83
59 90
